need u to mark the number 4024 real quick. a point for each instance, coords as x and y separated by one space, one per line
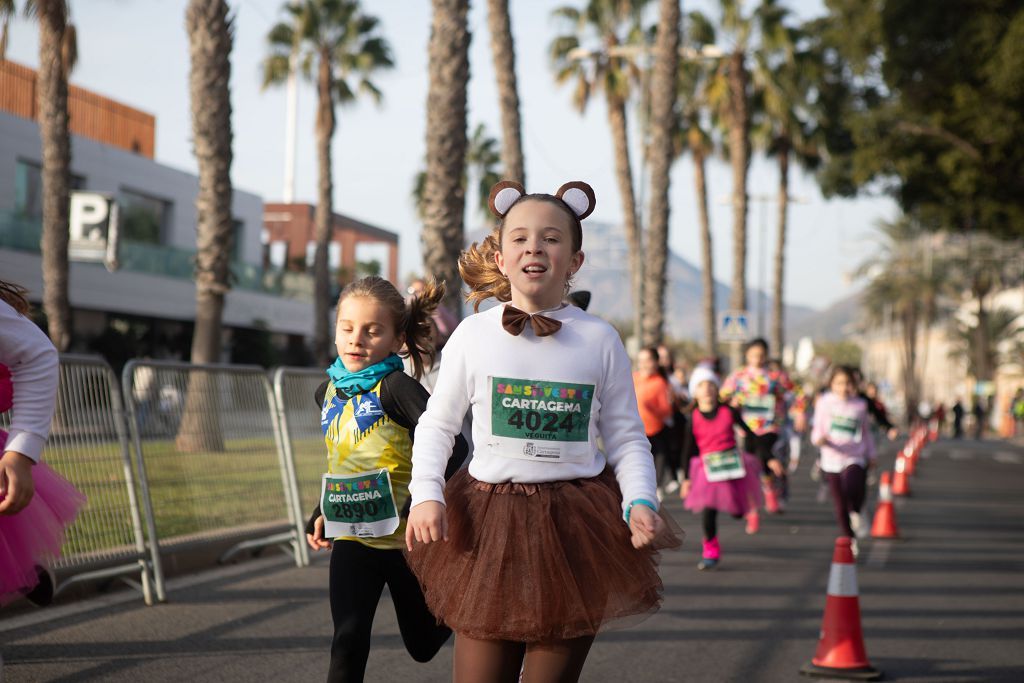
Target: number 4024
534 421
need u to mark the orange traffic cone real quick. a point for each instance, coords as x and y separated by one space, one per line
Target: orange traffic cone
884 524
900 481
841 652
909 460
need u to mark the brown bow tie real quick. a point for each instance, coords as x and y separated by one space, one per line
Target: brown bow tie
514 321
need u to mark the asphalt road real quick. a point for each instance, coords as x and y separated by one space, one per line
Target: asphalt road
946 603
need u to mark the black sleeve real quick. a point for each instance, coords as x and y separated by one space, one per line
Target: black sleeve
404 400
877 413
689 447
737 419
319 394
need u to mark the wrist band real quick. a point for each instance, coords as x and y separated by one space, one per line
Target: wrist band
638 501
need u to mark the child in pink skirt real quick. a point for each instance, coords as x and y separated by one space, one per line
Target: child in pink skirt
719 475
36 503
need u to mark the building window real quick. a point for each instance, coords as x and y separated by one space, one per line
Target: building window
334 256
238 240
28 188
143 218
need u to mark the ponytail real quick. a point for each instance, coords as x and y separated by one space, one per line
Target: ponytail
418 326
14 296
480 271
412 319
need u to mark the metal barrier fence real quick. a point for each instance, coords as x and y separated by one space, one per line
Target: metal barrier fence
88 445
299 416
210 459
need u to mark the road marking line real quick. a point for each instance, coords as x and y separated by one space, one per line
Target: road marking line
961 455
1008 458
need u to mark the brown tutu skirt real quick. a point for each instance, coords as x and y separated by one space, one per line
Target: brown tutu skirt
538 562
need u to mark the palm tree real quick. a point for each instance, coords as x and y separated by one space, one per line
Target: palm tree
611 25
664 91
58 53
979 266
692 136
445 196
211 37
983 349
785 132
503 50
762 29
339 48
483 164
905 284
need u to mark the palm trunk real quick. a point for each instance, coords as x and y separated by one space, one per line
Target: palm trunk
778 309
624 176
503 50
708 274
324 211
444 194
910 388
983 344
739 152
663 84
56 144
210 41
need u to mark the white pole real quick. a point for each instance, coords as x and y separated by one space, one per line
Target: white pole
291 126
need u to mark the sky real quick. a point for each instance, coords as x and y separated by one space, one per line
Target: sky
136 52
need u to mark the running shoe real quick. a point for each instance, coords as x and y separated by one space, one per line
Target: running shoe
854 548
860 530
707 563
753 522
672 486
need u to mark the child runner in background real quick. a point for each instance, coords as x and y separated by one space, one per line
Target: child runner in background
368 411
720 477
543 539
760 396
654 400
675 374
36 503
842 432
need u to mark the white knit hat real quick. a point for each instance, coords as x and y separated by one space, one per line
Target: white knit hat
702 373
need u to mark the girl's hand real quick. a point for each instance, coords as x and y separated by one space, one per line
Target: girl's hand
645 524
684 490
776 467
316 539
818 442
428 522
892 433
16 484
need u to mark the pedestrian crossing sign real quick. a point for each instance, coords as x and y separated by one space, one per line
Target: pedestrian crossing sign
733 326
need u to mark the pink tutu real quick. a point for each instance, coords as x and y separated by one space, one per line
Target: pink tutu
736 497
35 535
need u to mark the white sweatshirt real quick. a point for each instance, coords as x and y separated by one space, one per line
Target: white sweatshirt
539 406
33 363
843 426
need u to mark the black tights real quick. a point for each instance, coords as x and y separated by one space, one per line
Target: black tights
500 661
358 575
710 519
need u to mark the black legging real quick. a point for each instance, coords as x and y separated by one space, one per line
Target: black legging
709 520
848 491
358 575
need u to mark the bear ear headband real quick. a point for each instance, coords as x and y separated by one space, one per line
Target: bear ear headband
577 195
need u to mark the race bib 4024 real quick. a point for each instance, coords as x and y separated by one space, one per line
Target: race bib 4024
540 420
